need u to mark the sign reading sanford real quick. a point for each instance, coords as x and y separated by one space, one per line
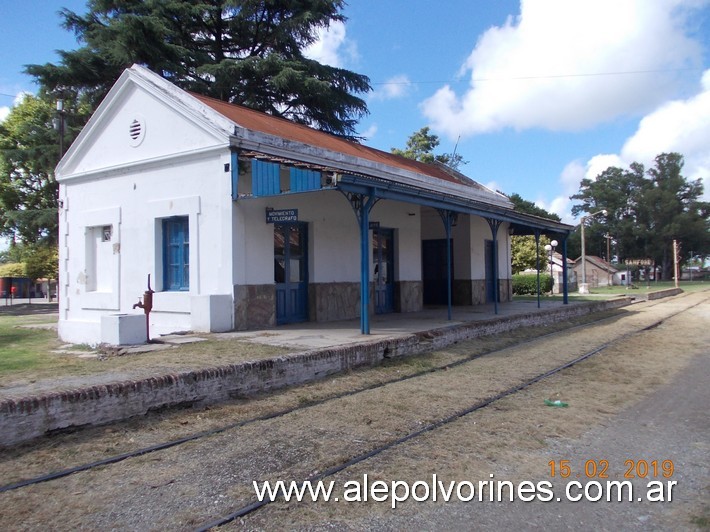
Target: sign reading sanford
639 262
281 216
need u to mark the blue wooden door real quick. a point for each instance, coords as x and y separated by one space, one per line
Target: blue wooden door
383 269
291 272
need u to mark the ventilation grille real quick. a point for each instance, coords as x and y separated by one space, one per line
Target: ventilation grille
136 131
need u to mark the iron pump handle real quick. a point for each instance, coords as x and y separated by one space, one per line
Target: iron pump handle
148 298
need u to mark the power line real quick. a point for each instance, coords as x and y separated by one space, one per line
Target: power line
548 76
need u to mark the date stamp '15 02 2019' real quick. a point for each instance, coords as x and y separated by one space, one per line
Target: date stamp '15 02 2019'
601 469
595 470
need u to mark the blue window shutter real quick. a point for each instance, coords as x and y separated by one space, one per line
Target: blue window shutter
303 180
176 253
265 178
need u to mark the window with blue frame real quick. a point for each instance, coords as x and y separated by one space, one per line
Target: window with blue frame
176 253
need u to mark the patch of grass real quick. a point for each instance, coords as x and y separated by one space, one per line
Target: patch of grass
27 354
595 294
25 349
644 288
702 521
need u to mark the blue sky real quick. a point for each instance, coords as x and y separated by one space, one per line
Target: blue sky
538 93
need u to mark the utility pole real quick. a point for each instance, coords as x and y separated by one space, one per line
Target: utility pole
608 256
675 261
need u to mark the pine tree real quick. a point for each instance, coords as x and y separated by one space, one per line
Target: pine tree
248 52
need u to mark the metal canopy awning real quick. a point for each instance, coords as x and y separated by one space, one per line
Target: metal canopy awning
364 191
520 223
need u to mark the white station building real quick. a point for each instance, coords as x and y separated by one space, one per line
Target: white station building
243 220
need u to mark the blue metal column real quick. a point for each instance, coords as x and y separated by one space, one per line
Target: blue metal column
537 263
362 205
494 225
448 217
565 290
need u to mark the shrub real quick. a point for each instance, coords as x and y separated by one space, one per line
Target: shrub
13 269
526 284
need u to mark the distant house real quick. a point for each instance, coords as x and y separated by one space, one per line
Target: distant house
244 220
599 272
555 268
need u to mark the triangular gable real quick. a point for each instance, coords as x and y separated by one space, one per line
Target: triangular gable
143 118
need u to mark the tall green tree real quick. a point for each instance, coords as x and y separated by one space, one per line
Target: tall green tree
28 190
673 210
420 147
620 192
647 210
248 52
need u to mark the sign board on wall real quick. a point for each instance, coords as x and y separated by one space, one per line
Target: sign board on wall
274 216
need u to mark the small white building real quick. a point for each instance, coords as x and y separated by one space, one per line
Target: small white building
243 220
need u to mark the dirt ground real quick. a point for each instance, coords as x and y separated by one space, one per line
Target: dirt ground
644 397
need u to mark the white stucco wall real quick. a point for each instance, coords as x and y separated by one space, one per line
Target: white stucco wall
405 219
109 179
333 233
134 206
165 133
480 232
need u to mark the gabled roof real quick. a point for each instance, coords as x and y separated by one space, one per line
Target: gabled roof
557 258
599 263
258 121
335 148
256 134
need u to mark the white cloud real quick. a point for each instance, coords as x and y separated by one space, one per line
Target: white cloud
395 87
332 46
569 180
597 164
681 126
534 71
5 111
492 185
370 132
560 205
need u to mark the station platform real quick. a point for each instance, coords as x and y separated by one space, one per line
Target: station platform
313 351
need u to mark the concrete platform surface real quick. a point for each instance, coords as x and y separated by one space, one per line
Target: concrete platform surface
311 335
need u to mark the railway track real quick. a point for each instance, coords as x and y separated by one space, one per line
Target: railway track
254 506
245 509
55 475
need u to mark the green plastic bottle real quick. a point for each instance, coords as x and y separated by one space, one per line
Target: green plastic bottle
557 403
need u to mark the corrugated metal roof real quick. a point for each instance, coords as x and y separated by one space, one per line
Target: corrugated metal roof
280 127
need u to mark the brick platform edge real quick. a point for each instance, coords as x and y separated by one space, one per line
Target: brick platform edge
25 418
659 294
